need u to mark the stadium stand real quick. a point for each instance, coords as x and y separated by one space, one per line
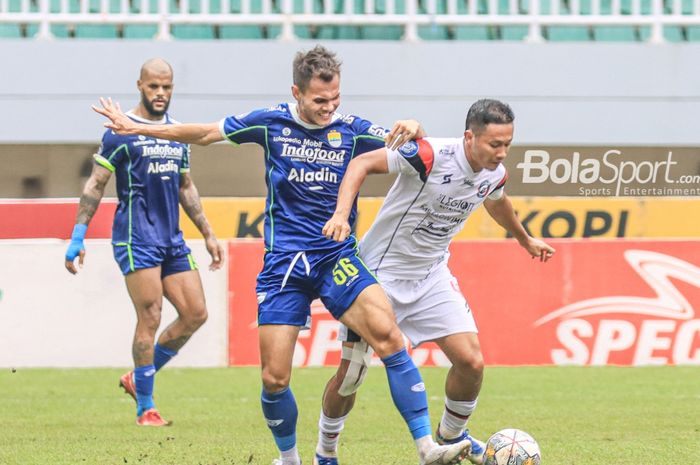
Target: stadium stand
412 20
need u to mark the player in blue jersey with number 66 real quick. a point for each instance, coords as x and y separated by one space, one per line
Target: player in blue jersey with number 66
307 147
152 181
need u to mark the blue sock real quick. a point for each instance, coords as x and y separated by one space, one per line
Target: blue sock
162 355
280 411
144 379
408 392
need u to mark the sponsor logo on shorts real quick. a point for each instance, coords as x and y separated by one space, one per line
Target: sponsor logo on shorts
273 423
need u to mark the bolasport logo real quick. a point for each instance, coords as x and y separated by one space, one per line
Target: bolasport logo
612 174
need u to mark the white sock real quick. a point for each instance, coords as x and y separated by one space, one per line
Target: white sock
455 417
424 445
328 434
290 457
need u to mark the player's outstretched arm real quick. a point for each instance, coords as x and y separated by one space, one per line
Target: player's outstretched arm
338 228
402 132
502 211
189 199
89 201
199 134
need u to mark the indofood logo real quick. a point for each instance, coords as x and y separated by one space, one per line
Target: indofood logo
612 174
162 151
313 152
589 333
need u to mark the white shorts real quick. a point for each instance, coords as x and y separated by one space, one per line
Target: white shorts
427 309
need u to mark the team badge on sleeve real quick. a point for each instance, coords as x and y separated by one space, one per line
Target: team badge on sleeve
409 149
483 189
334 138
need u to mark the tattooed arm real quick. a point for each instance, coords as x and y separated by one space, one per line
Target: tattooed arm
189 199
89 201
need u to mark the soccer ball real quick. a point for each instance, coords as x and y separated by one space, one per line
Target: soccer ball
512 447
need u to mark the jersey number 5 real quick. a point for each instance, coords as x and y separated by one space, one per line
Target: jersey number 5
343 269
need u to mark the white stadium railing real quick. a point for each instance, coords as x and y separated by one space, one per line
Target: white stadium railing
408 14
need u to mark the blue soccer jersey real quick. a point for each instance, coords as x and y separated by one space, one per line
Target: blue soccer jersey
304 166
148 185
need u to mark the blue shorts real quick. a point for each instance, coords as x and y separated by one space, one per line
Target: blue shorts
289 282
170 259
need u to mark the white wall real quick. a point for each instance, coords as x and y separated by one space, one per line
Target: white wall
49 317
563 93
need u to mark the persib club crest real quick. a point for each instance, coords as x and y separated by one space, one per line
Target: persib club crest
483 189
334 138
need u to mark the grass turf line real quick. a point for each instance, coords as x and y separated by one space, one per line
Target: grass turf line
579 415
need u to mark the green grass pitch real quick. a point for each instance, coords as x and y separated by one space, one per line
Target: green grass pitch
580 416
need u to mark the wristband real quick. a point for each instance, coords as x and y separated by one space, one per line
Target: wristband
79 231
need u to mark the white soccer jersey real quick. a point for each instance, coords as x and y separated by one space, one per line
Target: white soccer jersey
433 196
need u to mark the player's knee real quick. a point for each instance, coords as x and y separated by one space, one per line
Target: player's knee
274 381
387 339
196 318
471 363
148 315
353 369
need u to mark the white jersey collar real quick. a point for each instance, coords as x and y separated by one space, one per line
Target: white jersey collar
463 162
131 115
294 111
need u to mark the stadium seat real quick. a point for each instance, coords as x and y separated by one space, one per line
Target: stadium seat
381 32
473 33
323 31
671 33
512 32
192 31
113 6
10 30
614 33
14 6
692 33
387 32
434 31
674 34
139 31
151 6
241 32
564 33
59 31
567 33
96 31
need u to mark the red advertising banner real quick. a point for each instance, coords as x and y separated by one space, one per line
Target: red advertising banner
24 219
596 303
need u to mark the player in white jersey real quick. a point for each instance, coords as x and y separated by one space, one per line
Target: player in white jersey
440 183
